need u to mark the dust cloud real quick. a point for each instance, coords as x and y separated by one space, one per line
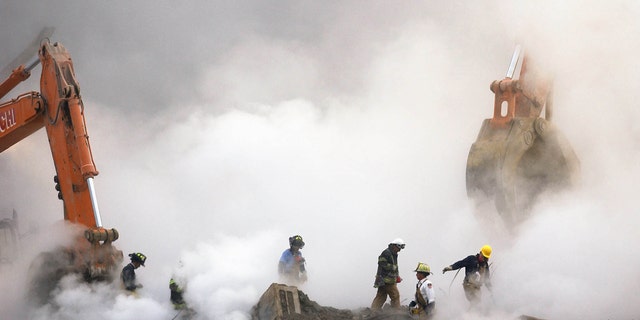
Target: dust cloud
222 129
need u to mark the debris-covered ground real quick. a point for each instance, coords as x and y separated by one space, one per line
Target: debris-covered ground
281 302
311 310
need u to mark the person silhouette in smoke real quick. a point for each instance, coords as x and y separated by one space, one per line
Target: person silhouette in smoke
128 274
177 286
291 266
476 274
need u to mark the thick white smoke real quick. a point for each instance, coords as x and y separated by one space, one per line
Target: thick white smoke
219 137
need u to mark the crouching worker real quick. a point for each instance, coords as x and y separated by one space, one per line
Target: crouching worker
422 307
176 295
128 274
178 287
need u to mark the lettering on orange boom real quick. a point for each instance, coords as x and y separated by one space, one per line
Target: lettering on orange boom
7 120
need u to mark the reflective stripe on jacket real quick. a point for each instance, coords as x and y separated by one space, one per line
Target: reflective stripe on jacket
388 266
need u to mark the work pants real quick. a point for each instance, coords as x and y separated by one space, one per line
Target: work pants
472 292
390 290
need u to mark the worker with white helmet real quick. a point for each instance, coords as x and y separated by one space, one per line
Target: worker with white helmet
425 298
476 273
387 276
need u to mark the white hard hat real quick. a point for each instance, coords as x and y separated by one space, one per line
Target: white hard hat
398 242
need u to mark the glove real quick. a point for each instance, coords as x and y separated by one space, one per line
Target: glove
412 304
398 279
447 268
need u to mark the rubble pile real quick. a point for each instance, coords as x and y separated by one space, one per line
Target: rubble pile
282 302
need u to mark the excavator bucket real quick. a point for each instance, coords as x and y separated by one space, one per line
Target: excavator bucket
518 155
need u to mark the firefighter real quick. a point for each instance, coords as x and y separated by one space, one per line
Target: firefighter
176 295
476 273
291 266
128 274
425 298
387 276
177 286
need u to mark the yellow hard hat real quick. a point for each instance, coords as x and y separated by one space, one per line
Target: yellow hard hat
422 267
486 251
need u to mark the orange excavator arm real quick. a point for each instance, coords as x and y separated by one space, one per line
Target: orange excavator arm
59 109
68 137
22 116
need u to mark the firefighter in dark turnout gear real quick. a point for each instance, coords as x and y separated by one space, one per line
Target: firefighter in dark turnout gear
387 276
177 286
128 274
176 295
476 273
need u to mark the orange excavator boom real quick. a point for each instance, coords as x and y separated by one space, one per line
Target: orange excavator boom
58 108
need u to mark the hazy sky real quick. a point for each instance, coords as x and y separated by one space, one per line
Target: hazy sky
222 128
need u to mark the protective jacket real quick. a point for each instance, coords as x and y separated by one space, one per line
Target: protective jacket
387 268
291 265
128 276
475 272
291 262
176 294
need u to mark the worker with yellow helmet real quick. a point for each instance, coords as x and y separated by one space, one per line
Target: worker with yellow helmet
424 302
476 273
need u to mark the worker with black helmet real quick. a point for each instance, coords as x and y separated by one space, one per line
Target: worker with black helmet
387 276
177 285
128 274
291 266
423 305
476 273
